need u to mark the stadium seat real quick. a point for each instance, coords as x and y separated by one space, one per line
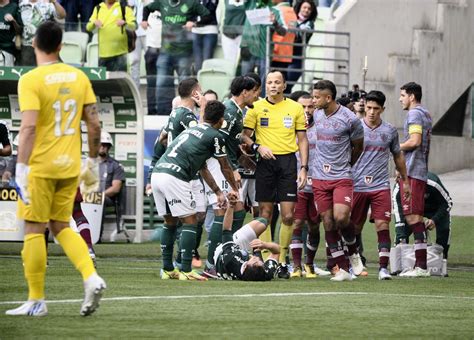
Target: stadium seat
221 65
212 79
95 37
79 38
92 54
71 53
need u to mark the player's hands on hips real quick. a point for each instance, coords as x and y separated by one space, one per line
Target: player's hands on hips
21 179
89 177
265 152
429 224
302 178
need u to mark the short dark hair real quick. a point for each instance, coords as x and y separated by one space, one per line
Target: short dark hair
414 89
211 92
254 273
314 9
298 94
376 96
281 72
326 85
241 83
255 77
344 101
48 37
213 111
186 86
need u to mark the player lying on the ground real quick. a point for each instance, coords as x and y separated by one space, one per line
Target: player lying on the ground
233 259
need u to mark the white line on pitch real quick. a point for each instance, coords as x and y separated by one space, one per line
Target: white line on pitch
177 297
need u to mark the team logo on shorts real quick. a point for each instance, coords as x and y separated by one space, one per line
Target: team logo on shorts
368 179
326 167
387 214
193 204
288 121
347 199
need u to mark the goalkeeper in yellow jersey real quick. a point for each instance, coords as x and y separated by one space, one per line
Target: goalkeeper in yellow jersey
54 98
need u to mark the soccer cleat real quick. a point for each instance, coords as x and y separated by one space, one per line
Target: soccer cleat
283 272
341 275
416 272
210 273
296 273
169 274
309 271
356 263
30 308
94 287
384 274
92 256
321 272
191 276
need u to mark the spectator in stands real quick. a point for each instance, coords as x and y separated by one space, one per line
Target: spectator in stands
77 13
111 171
111 19
306 13
205 34
254 39
153 44
33 14
11 26
210 95
178 19
5 150
140 44
234 19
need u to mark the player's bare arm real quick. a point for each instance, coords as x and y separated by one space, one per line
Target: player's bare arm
6 151
228 172
303 147
91 116
357 148
265 152
411 143
163 138
207 177
270 246
228 217
27 135
399 160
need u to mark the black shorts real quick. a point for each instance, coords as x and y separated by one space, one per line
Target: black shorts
276 179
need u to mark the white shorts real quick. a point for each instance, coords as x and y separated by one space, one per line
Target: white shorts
172 195
198 194
215 169
242 238
248 190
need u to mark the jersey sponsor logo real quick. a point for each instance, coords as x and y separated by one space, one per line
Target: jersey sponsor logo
291 195
326 168
8 194
288 122
264 122
368 179
61 77
170 166
175 201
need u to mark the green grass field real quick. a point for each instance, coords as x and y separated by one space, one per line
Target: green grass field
138 304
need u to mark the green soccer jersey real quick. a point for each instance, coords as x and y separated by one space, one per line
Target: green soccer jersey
187 154
7 31
180 119
174 15
232 130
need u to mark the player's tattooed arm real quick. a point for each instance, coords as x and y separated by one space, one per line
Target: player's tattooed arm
91 116
357 148
228 172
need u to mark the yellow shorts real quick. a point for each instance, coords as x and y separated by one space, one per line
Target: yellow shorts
50 199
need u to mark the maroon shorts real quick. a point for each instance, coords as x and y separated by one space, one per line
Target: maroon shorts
305 208
327 193
379 202
416 204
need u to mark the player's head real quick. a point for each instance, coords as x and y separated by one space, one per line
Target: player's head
324 93
410 94
244 87
308 106
187 87
48 37
254 270
275 84
306 10
214 113
210 95
258 80
374 106
106 143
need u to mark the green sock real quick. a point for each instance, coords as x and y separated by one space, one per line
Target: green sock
239 217
178 237
198 235
168 236
215 237
186 246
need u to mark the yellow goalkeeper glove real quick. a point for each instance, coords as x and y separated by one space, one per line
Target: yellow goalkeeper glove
89 177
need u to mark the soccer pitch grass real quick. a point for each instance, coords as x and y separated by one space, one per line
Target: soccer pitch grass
137 304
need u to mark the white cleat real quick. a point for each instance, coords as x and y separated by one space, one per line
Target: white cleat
356 263
384 274
30 308
321 272
341 275
94 287
416 272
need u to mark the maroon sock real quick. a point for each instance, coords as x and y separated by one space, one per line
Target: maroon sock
348 233
310 253
420 244
330 263
312 243
384 247
82 224
296 247
333 239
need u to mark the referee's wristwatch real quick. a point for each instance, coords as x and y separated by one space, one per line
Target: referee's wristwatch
255 147
305 167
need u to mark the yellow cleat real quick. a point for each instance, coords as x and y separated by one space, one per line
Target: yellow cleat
296 273
309 269
170 275
191 276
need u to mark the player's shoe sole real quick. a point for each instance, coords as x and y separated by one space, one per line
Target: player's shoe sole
356 264
321 272
30 308
341 275
94 288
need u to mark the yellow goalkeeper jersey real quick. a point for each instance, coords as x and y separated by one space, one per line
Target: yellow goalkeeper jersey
58 92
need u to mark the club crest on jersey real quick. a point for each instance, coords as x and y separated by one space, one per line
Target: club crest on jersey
368 179
326 168
336 125
384 137
326 125
288 121
264 122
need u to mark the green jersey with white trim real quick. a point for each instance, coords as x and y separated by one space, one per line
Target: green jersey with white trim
232 129
181 118
187 154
